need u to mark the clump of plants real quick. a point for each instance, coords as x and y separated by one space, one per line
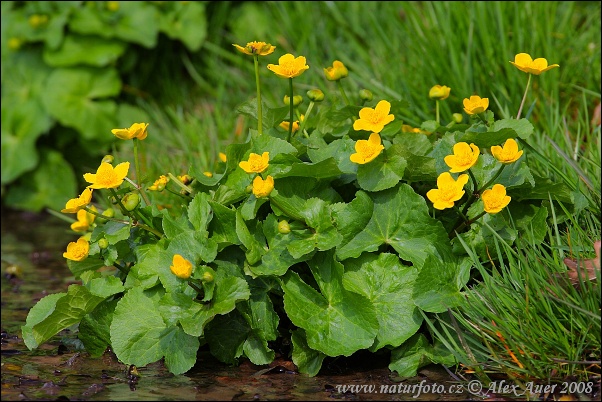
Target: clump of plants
336 227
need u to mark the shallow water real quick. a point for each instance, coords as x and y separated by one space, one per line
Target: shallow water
33 245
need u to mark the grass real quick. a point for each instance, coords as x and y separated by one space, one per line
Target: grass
399 50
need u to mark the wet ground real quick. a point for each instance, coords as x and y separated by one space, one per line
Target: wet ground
33 266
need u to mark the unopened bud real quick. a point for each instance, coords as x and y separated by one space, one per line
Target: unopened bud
131 201
315 95
207 276
103 243
297 100
284 227
457 117
366 95
108 159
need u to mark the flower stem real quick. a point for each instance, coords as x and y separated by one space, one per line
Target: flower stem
520 109
259 106
469 222
343 94
290 126
307 112
177 181
109 218
498 173
123 209
138 185
437 111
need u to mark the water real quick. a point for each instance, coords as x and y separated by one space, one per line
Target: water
32 247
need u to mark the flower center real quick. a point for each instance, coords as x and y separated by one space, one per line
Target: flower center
107 178
365 149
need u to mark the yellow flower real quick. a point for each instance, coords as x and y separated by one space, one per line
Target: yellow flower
495 200
222 157
160 183
367 150
463 158
406 128
475 104
262 188
256 48
439 92
288 66
208 174
84 220
509 153
448 190
336 72
256 163
286 124
524 62
77 251
136 130
181 267
186 179
108 177
75 204
374 119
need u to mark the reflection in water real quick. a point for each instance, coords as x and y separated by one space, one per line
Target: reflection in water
33 267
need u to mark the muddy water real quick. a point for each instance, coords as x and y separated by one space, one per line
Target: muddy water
33 246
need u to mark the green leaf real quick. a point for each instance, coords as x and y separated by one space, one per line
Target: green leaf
530 221
336 321
308 361
437 287
253 248
41 188
137 329
226 336
93 329
383 280
42 309
383 172
223 226
278 258
523 127
352 218
187 22
115 232
340 150
193 246
199 212
72 97
228 291
179 349
84 50
70 308
485 233
407 359
400 219
77 268
272 117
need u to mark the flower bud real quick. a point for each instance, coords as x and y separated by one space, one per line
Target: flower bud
249 188
457 117
439 92
315 95
108 159
131 201
297 100
14 43
207 276
284 227
103 243
366 95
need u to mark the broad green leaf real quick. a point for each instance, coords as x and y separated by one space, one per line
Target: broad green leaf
407 359
272 117
41 188
383 172
42 309
223 226
187 22
105 286
76 98
253 248
179 349
383 280
85 50
530 221
327 168
340 150
277 259
437 287
69 310
352 218
193 246
308 361
336 321
523 127
115 232
133 22
233 189
93 330
137 329
79 267
228 291
485 233
414 143
226 336
401 219
199 212
174 226
487 139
